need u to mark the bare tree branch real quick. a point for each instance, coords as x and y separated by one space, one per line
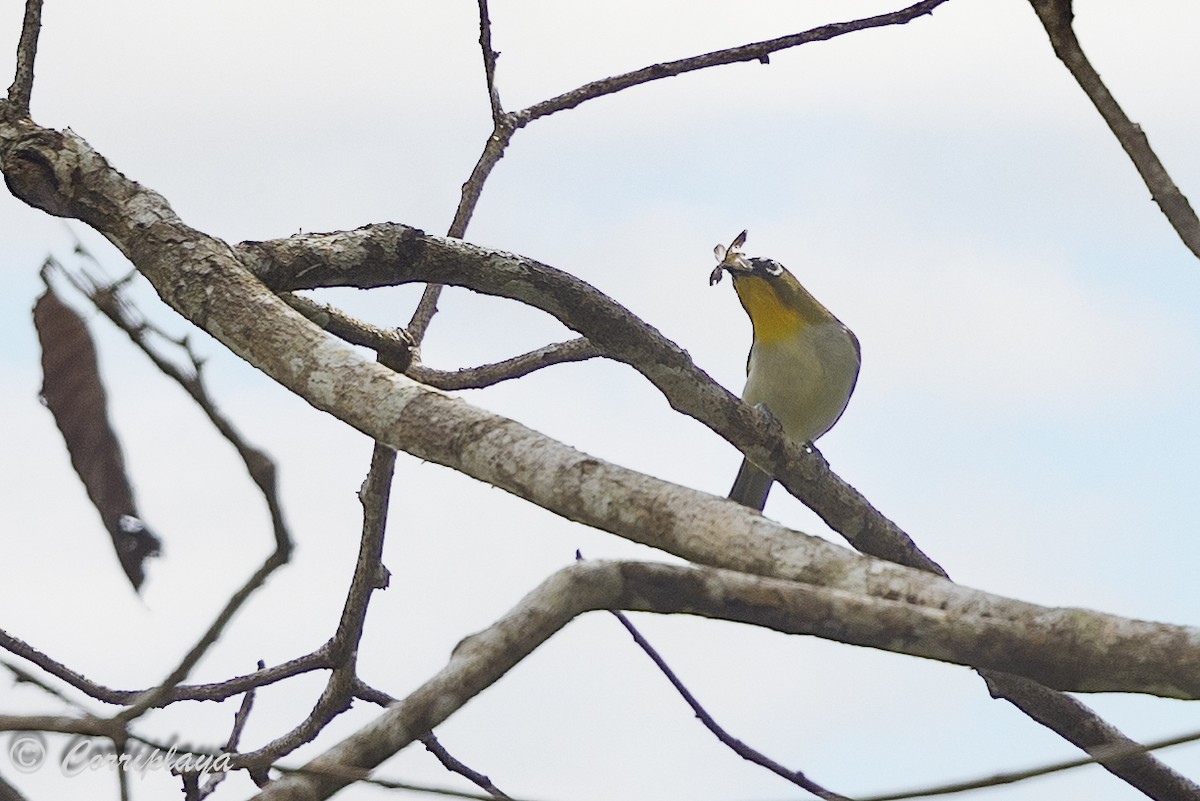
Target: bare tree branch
88 725
21 90
486 375
757 51
989 636
393 343
342 649
493 150
489 62
22 676
240 718
162 694
398 346
1056 17
216 691
333 701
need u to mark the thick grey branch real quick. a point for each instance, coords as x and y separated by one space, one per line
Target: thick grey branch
1019 635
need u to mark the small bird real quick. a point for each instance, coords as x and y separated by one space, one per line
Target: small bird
803 361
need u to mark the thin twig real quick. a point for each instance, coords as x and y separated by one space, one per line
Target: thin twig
369 572
368 693
756 51
393 343
23 676
489 61
122 775
1032 773
503 126
455 766
89 725
573 350
19 647
242 716
493 151
162 694
334 700
737 746
21 90
342 649
1056 17
235 735
215 691
398 346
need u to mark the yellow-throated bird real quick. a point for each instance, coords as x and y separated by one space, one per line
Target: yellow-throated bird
803 361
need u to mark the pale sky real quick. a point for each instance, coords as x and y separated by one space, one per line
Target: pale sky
1026 408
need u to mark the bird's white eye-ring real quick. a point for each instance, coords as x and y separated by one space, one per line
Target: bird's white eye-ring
773 268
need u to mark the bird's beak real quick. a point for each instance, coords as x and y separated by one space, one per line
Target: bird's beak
734 263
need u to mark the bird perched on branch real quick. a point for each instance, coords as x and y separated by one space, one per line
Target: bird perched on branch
803 361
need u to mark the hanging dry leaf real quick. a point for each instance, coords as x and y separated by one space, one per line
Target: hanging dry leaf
72 390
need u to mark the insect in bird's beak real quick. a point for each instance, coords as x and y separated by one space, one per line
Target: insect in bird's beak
729 258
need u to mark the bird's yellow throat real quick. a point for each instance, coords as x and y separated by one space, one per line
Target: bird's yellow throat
772 320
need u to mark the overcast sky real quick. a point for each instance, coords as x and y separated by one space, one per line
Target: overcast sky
1027 407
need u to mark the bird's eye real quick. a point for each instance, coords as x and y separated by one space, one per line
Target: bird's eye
768 266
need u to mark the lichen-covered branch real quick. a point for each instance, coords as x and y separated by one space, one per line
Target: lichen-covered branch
21 89
982 637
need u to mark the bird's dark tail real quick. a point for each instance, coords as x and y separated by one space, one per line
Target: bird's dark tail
751 486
